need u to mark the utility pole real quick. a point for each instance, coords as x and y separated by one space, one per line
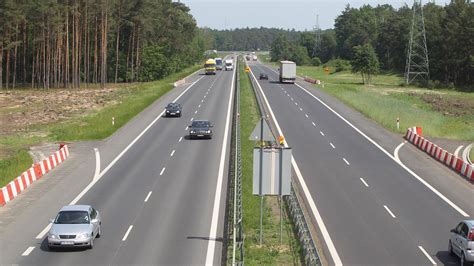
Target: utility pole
417 66
317 43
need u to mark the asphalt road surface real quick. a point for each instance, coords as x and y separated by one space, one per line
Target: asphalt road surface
161 195
375 212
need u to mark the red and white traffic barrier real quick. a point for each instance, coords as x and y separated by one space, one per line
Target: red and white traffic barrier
15 187
457 164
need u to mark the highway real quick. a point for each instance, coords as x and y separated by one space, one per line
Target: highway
374 211
161 196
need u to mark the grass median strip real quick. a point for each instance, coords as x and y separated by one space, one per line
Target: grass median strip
271 252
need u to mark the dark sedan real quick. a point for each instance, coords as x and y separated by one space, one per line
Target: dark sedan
263 76
173 109
200 129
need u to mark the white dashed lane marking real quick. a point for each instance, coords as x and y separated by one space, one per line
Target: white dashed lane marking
148 196
127 233
180 139
172 153
363 181
322 133
28 251
332 145
196 112
314 124
162 170
389 211
305 115
345 161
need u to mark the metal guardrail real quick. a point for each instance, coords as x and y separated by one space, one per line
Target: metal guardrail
311 255
235 187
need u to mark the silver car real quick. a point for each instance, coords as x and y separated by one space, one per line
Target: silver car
461 242
75 226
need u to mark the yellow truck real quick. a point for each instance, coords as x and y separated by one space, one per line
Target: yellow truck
210 67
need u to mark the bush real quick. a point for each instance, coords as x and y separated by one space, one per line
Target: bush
315 61
339 65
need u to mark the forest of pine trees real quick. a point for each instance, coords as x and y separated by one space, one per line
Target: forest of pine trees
66 43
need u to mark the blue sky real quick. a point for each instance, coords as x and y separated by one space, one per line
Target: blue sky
287 14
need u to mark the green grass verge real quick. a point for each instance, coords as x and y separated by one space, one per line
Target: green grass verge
386 99
270 253
13 166
134 99
471 155
96 125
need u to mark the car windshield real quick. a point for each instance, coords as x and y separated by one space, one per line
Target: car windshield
200 124
209 65
72 217
172 105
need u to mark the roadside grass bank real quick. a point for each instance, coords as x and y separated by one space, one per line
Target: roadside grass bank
271 252
442 113
471 155
129 100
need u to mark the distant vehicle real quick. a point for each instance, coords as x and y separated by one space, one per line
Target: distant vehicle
75 226
210 67
247 57
219 64
254 58
461 242
200 129
173 109
229 64
263 76
287 72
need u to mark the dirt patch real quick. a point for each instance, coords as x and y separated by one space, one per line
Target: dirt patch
449 106
21 109
24 111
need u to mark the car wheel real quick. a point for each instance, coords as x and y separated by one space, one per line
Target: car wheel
99 232
450 248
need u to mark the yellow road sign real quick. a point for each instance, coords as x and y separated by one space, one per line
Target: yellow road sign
327 70
247 69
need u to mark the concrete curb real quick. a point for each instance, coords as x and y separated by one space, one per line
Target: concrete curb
15 187
455 163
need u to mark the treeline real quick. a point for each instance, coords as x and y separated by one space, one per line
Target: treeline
449 33
248 39
63 43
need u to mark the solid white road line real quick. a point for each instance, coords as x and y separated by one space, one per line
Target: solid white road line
305 115
97 163
84 191
427 255
27 251
319 220
363 181
148 196
456 153
322 133
397 149
127 233
389 211
162 170
172 153
180 139
332 145
345 161
314 124
421 180
211 246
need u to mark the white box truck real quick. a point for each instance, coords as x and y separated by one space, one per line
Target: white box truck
287 72
229 64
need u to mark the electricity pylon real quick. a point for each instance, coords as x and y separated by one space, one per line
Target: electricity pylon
417 66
